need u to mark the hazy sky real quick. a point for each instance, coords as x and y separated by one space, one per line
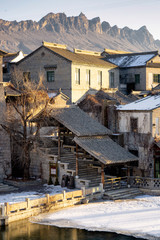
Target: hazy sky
131 13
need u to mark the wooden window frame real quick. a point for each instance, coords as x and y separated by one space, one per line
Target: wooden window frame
50 76
137 78
77 76
88 77
100 78
156 78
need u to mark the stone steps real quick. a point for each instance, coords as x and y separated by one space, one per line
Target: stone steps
126 193
86 172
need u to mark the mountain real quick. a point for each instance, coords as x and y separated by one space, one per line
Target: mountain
75 32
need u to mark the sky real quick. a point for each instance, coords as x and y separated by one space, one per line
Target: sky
131 13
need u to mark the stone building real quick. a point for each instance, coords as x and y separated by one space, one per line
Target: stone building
137 71
140 124
74 72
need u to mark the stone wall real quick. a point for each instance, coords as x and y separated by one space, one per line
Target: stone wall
140 141
42 156
36 64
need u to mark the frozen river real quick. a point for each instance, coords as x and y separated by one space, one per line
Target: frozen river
139 217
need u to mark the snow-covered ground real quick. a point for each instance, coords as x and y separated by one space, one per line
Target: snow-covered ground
21 196
139 217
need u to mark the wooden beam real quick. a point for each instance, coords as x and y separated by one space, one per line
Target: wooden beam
76 159
102 175
59 143
128 172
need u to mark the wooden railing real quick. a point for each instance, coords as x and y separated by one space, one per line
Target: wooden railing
22 210
138 182
115 183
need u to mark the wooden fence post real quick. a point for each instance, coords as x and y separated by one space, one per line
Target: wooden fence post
28 203
7 208
83 191
48 198
101 188
64 195
3 210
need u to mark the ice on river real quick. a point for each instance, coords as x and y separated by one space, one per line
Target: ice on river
139 217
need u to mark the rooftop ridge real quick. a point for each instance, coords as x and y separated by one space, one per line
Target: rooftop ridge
93 53
132 54
115 51
55 45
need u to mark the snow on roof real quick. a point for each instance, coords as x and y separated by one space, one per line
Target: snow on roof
145 104
18 57
131 60
52 94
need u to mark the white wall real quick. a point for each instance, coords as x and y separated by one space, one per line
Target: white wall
144 121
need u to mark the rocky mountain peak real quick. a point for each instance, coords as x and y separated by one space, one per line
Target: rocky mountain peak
77 31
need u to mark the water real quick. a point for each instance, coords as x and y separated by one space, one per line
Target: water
24 230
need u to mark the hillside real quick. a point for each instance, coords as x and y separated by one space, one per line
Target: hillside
75 32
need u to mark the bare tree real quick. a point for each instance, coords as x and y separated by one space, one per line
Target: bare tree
32 99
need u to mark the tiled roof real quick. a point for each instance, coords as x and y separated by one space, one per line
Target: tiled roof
132 59
145 104
10 90
105 149
79 122
81 58
73 118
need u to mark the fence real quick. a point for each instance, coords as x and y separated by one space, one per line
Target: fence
147 183
115 183
28 208
138 182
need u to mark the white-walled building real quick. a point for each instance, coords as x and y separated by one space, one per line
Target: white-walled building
140 123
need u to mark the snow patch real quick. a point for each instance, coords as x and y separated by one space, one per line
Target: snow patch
139 217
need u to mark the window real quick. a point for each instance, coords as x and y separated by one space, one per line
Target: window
50 76
88 77
112 79
156 78
134 124
26 76
137 78
77 76
157 167
100 78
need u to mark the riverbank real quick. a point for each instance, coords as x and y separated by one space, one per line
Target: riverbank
20 196
139 217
